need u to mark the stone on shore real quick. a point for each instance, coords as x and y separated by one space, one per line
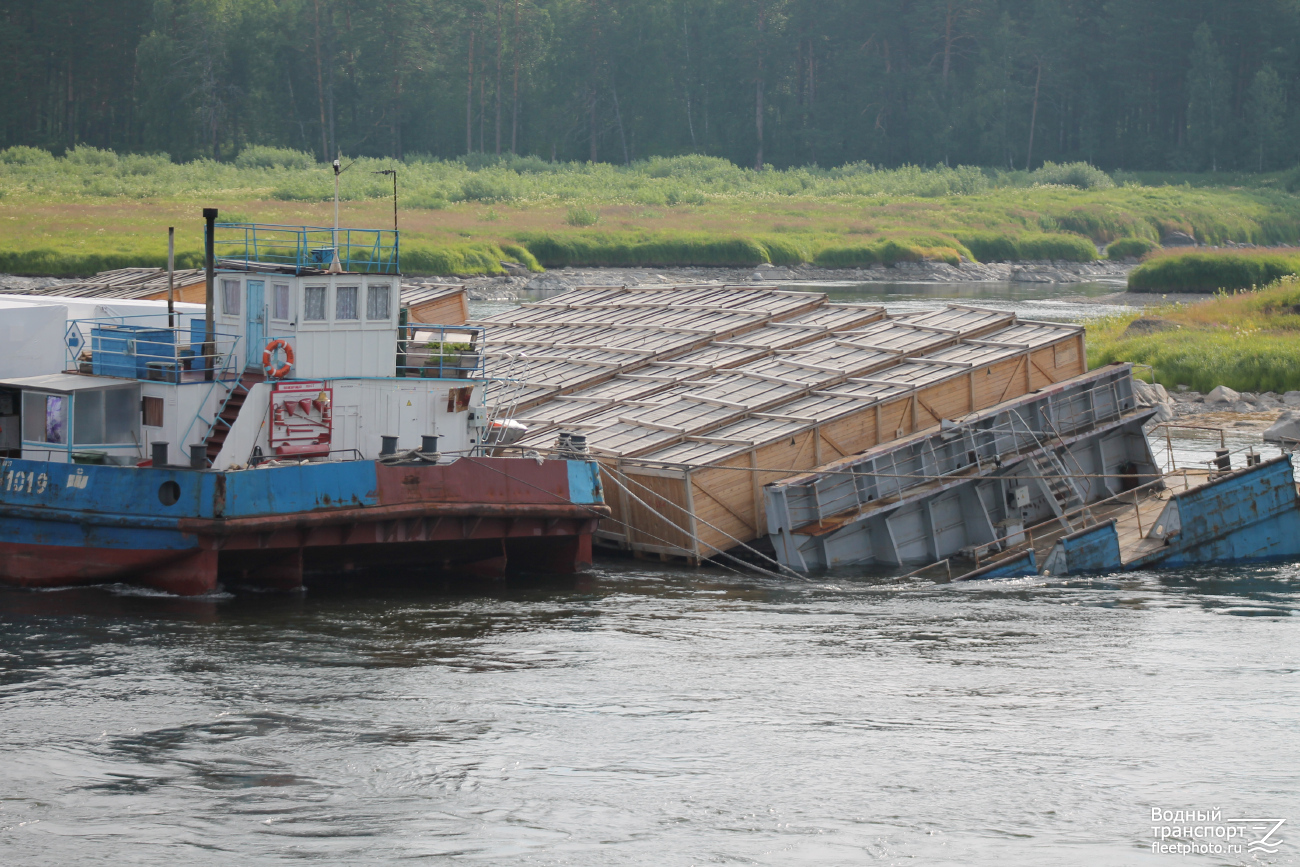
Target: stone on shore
1285 429
1150 394
1291 398
1223 394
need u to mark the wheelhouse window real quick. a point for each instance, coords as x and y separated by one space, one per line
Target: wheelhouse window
230 297
377 307
313 303
280 301
345 303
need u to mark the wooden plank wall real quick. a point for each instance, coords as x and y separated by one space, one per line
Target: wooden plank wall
732 500
451 309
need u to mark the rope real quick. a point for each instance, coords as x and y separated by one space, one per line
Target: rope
653 511
628 526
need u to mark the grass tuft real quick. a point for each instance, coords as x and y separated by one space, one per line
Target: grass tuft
1210 271
1129 248
582 217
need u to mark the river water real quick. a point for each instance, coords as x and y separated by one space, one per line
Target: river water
653 715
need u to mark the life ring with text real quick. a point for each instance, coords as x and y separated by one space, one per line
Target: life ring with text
268 359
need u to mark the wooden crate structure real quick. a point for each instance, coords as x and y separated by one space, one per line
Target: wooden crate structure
702 493
435 304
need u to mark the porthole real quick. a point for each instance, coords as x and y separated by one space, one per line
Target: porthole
169 493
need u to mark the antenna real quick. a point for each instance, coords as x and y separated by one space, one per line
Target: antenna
335 267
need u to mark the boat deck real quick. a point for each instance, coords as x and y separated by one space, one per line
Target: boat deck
1135 514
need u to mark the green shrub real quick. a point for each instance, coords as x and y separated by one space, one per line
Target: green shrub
582 217
1208 272
22 155
785 251
520 254
487 188
630 250
684 197
261 157
458 259
1028 247
1129 248
143 164
431 201
1081 175
304 188
85 155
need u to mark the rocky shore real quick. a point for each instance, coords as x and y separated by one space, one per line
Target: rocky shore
513 285
1277 416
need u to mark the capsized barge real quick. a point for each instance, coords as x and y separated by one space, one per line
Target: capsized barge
967 440
1062 481
296 423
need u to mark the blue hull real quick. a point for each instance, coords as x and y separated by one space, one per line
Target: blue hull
177 529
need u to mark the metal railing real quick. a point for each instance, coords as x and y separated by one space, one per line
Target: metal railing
441 351
299 249
142 347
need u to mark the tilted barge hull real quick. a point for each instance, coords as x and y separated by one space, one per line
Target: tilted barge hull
181 531
969 489
1062 481
1251 515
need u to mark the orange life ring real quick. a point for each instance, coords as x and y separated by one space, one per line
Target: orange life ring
268 363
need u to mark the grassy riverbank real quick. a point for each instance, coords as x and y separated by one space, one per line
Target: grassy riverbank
91 210
1246 341
1210 271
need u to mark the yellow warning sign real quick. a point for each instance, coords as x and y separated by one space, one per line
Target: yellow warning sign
408 403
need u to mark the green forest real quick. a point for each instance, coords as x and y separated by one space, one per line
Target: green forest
1134 85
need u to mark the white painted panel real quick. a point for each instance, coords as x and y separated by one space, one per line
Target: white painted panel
32 340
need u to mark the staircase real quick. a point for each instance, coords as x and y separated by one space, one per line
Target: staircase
1059 485
230 411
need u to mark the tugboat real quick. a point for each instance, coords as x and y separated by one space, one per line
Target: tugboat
297 424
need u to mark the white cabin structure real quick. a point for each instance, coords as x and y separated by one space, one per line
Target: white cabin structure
82 380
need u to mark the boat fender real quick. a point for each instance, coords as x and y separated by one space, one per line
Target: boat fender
268 359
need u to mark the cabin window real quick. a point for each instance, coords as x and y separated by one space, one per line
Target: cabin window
45 417
97 416
345 303
280 301
88 418
152 410
377 303
230 297
120 415
313 307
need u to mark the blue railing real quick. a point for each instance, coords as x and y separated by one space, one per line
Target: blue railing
440 351
306 248
145 347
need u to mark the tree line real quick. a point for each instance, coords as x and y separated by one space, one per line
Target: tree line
1176 85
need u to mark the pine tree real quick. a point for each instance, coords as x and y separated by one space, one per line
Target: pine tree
1265 116
1207 104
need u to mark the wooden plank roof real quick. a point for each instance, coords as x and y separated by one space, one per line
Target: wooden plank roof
703 419
415 294
121 283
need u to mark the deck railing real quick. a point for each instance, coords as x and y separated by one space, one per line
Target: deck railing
141 347
441 351
306 249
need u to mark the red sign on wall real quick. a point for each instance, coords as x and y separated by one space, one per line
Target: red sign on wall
302 419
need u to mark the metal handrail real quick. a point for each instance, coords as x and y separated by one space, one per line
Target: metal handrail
415 338
308 248
143 343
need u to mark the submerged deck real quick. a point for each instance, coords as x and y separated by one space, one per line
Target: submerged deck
1135 514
